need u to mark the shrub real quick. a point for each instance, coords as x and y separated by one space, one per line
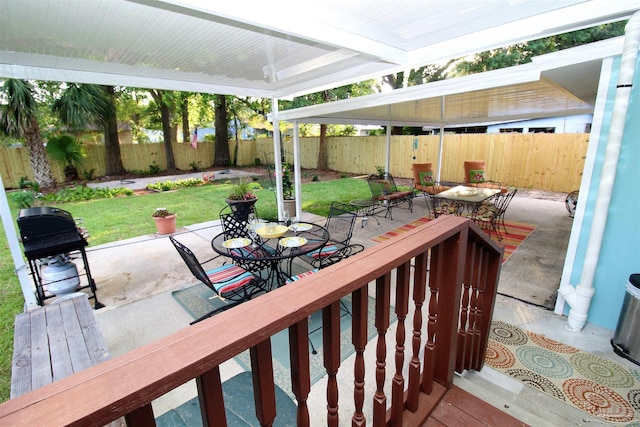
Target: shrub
23 199
154 169
174 185
89 175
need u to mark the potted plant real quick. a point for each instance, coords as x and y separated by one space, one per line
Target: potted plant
288 190
165 221
241 200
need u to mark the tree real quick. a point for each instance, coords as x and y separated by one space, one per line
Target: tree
523 52
222 157
68 152
18 118
82 105
166 103
343 92
415 77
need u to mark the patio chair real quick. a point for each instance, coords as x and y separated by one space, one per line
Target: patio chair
506 199
252 255
474 171
344 310
385 191
340 224
424 182
228 281
444 207
490 215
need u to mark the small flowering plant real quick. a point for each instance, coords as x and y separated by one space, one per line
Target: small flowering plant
241 191
287 180
161 213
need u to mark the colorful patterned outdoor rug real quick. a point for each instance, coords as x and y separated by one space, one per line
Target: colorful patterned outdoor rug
518 233
595 385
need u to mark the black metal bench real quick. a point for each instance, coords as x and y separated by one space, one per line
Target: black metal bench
384 190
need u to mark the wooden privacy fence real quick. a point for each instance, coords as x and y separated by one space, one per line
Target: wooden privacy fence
552 162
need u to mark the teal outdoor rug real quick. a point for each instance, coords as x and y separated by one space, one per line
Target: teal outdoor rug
199 300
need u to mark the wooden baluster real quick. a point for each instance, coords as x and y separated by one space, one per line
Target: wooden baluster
331 353
419 290
450 289
473 308
402 307
360 313
435 273
477 325
141 417
487 298
383 294
463 348
211 399
263 386
300 373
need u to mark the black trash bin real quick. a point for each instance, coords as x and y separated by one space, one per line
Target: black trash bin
626 340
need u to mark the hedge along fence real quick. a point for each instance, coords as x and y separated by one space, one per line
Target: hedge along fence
552 162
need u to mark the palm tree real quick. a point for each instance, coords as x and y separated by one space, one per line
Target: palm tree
18 118
68 152
81 105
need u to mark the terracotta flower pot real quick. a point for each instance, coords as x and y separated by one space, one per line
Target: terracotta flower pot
166 225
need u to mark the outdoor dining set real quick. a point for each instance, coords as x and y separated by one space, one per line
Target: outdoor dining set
259 256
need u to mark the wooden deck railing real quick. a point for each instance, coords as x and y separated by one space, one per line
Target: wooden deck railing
440 279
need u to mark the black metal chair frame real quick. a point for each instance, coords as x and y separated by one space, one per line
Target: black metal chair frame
495 219
384 189
237 228
340 224
237 295
505 200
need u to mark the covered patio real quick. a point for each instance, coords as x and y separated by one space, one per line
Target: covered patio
140 308
279 54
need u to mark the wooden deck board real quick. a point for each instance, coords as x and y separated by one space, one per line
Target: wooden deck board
460 408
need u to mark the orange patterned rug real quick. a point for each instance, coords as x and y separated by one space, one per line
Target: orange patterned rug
593 384
518 233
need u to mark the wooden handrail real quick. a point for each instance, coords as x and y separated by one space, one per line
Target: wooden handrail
449 266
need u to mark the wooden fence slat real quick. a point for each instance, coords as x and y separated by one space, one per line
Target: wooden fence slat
552 162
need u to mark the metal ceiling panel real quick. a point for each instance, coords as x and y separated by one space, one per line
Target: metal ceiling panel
255 48
558 84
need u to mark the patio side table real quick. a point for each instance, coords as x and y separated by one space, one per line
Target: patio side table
366 209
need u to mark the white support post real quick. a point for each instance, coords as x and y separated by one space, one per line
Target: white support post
387 154
277 149
28 290
297 175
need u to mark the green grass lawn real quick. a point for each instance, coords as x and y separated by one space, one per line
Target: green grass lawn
110 220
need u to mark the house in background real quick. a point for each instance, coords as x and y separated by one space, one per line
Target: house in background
568 124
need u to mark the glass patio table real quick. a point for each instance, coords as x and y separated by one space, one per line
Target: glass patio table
469 197
273 254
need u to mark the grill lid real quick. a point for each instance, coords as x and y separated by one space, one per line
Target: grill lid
43 221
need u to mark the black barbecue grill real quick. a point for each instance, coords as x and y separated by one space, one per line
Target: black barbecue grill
49 232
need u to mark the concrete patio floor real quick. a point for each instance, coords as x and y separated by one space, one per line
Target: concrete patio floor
135 279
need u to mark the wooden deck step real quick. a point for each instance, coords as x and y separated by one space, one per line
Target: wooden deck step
460 408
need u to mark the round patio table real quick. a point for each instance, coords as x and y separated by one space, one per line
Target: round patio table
274 255
366 209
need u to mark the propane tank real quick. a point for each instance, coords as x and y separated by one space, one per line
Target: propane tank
61 276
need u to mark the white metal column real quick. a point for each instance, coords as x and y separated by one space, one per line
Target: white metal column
277 149
16 253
